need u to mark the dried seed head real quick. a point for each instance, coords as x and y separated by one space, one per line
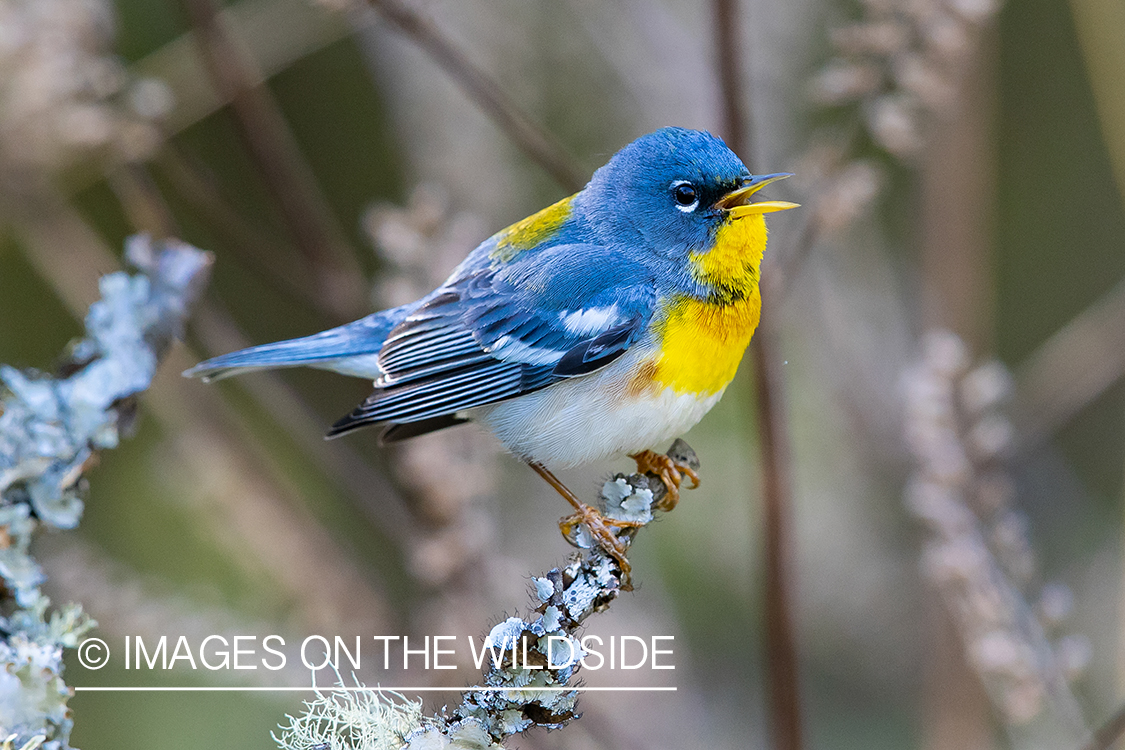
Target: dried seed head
993 491
985 387
945 353
151 99
895 125
843 82
1023 701
849 195
990 438
975 11
926 81
1075 652
886 37
1056 604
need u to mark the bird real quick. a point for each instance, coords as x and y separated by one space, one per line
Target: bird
603 325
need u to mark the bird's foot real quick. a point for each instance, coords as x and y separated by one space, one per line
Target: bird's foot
600 527
601 530
670 471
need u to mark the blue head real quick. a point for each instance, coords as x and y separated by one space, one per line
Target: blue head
671 190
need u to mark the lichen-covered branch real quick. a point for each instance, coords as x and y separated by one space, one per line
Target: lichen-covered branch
535 658
51 429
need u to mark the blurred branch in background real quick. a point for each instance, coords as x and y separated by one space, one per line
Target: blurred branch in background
173 85
1086 357
1101 27
782 672
340 463
51 430
634 37
1070 370
536 142
277 156
205 198
1108 733
957 171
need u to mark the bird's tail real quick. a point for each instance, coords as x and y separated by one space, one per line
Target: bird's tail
351 349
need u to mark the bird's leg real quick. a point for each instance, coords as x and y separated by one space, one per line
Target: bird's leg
670 471
600 527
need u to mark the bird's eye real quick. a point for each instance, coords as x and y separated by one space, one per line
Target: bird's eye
685 196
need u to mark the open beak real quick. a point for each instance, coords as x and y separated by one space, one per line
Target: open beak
737 202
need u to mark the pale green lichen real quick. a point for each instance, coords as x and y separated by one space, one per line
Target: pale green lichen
626 502
511 698
50 427
352 720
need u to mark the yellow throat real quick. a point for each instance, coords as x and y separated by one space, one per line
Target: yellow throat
702 340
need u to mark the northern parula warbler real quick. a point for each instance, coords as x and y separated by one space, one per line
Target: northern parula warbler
605 324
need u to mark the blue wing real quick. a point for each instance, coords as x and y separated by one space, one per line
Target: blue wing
494 333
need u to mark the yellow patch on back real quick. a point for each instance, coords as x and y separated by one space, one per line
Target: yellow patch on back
702 341
529 232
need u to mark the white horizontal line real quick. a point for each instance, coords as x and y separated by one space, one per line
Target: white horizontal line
337 689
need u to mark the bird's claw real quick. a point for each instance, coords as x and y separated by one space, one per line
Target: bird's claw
601 531
670 471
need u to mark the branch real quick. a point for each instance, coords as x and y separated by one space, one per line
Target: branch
1108 733
253 244
773 434
515 698
1073 367
51 430
729 69
533 140
275 152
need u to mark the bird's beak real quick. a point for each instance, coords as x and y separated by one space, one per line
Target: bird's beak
737 202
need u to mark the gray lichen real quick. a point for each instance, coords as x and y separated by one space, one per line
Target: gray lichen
50 430
540 650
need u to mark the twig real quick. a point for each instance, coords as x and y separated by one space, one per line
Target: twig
1072 368
275 152
1108 733
736 125
537 143
773 437
252 244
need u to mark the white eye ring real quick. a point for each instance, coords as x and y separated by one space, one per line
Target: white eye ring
687 208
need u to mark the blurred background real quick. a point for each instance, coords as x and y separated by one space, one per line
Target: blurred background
948 310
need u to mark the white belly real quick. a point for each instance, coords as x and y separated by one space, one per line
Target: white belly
591 418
